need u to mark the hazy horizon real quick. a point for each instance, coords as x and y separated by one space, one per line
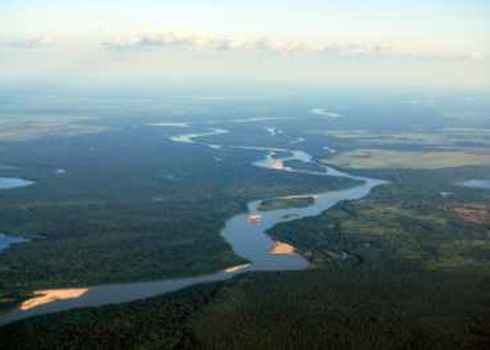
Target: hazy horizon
437 45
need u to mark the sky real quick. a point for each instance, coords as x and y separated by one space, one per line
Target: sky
439 43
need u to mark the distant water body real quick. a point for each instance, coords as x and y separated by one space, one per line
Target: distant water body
6 241
483 184
248 240
7 183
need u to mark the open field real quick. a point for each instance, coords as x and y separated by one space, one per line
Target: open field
391 159
15 130
446 137
476 213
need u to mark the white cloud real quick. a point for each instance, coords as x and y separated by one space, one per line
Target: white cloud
28 42
148 41
195 41
153 41
217 43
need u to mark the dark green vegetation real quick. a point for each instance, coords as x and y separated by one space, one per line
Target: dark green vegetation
402 223
160 323
287 202
10 298
347 309
319 309
397 270
131 206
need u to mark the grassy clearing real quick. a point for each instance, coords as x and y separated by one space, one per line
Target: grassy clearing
390 159
442 137
30 130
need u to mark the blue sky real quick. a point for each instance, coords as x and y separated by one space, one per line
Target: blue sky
435 42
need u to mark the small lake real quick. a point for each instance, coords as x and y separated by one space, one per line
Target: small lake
6 241
7 183
483 184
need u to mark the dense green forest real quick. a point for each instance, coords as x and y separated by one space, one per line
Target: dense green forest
410 220
131 205
285 202
382 278
319 309
400 269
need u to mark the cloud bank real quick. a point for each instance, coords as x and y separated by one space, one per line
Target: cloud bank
148 41
28 42
199 42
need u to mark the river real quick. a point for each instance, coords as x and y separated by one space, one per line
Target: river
481 184
7 183
7 240
247 240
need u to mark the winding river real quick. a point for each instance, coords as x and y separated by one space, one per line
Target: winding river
247 240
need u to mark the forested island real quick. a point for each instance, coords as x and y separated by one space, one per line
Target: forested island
286 202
